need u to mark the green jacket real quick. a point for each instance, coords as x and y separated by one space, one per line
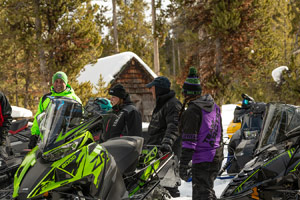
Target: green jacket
44 101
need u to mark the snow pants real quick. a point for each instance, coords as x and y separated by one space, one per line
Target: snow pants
204 175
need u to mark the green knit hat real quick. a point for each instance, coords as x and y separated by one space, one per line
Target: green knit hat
60 75
192 85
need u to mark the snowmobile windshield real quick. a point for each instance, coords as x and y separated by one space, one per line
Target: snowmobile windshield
280 122
62 115
251 121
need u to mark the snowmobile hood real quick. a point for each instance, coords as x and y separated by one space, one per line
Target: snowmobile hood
205 102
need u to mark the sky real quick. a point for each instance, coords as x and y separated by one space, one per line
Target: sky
108 3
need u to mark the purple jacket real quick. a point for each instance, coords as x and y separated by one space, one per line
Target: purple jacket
201 127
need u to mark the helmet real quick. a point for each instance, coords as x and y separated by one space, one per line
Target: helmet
247 101
104 104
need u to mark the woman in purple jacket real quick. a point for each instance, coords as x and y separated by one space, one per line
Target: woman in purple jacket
201 129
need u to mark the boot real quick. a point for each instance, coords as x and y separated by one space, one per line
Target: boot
174 192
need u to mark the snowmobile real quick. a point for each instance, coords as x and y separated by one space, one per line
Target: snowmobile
243 143
67 163
274 171
17 141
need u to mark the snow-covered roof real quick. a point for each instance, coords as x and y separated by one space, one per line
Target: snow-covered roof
20 112
108 67
277 73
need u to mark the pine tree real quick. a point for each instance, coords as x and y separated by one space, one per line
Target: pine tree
58 35
134 33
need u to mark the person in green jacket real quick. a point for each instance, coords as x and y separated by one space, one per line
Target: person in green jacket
60 88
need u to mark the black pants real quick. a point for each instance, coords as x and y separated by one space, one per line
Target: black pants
204 175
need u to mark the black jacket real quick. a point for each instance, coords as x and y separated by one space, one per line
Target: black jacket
164 122
5 115
124 120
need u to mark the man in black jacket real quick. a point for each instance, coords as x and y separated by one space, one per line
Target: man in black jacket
5 122
163 127
124 119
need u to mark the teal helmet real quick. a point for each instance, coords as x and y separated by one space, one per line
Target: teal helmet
104 103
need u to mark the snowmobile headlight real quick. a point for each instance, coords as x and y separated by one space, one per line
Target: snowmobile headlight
62 151
250 134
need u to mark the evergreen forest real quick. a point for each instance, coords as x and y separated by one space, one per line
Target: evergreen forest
234 44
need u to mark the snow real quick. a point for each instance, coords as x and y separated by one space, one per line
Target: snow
219 185
277 73
20 112
108 67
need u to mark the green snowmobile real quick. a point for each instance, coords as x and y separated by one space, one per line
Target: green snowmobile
69 164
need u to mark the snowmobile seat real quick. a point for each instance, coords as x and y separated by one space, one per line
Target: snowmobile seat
126 151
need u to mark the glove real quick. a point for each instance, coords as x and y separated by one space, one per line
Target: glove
185 172
32 141
166 145
165 148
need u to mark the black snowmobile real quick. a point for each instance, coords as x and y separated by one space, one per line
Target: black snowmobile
274 171
17 142
244 141
69 164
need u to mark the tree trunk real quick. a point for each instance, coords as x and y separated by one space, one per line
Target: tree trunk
173 58
178 57
218 57
116 40
16 91
41 53
27 79
155 40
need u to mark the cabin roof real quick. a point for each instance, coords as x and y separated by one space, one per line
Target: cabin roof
109 67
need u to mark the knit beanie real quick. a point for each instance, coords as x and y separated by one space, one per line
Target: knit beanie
118 91
60 75
192 85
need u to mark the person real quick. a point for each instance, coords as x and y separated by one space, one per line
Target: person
123 119
163 127
5 122
239 112
61 88
201 138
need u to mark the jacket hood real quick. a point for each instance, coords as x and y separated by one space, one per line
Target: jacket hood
205 102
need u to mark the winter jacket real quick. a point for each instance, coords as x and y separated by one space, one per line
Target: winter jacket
5 116
122 120
201 129
163 126
44 101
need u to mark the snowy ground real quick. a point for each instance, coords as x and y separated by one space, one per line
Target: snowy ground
186 188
